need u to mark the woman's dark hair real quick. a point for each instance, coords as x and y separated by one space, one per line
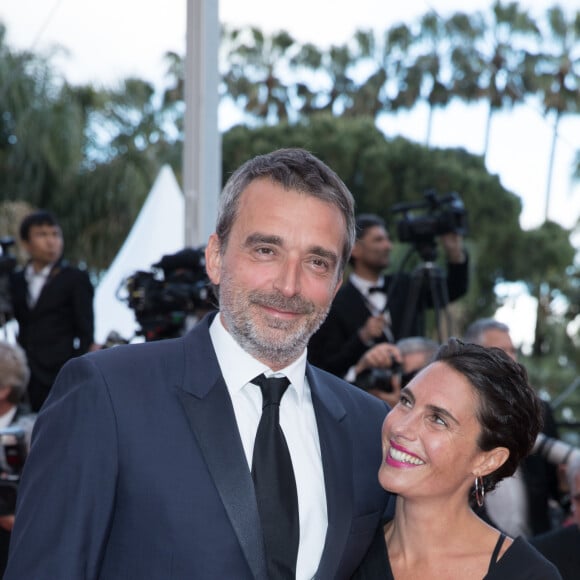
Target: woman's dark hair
509 409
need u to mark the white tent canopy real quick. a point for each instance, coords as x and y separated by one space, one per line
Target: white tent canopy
158 230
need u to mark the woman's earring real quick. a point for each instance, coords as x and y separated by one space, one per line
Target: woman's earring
479 491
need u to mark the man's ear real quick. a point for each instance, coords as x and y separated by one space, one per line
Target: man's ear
213 259
490 461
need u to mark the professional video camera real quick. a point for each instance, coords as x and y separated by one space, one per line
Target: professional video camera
163 298
13 451
444 214
7 266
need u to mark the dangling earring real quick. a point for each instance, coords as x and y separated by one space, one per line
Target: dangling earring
479 491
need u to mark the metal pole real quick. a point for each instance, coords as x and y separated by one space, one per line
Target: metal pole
202 143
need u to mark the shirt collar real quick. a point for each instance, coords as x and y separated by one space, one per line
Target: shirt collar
239 367
43 273
363 285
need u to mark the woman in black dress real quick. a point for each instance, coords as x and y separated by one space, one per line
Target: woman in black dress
461 426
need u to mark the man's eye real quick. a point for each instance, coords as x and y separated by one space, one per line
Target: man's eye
320 263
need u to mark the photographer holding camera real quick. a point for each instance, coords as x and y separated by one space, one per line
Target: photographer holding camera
16 419
366 317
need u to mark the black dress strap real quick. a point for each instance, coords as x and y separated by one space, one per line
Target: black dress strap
496 550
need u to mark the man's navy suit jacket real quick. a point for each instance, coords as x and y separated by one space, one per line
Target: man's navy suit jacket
137 471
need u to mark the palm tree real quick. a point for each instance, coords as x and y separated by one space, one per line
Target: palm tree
490 59
419 66
558 75
255 65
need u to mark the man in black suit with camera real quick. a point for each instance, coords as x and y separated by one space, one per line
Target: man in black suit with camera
368 313
53 304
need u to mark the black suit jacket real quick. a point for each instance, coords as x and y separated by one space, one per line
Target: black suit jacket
137 470
62 314
541 479
562 548
336 346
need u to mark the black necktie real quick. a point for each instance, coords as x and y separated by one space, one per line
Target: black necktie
275 484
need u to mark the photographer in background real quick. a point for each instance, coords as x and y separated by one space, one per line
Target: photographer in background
413 354
14 375
367 314
562 545
52 303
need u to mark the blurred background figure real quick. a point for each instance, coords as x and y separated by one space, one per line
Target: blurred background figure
52 303
16 424
562 546
416 354
521 504
412 354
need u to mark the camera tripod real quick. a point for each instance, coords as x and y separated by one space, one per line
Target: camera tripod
428 289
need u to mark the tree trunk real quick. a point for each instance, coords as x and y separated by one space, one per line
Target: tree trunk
551 166
542 312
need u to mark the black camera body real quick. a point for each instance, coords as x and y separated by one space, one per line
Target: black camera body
163 298
13 452
379 379
441 215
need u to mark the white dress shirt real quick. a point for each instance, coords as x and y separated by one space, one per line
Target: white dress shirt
35 282
375 300
298 422
377 304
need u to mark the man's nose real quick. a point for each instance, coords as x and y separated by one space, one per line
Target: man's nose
288 279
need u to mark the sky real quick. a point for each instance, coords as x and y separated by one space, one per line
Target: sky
105 41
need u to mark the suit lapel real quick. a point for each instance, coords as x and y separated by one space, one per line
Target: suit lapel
337 466
209 409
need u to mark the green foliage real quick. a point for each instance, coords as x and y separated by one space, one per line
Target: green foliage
88 155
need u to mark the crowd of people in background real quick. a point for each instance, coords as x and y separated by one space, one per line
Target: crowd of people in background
302 285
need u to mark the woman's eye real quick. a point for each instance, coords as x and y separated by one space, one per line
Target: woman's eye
439 420
405 401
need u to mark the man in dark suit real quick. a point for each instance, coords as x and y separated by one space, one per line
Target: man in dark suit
143 457
53 304
562 545
369 312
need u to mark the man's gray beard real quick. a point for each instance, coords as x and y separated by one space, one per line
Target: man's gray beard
269 348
